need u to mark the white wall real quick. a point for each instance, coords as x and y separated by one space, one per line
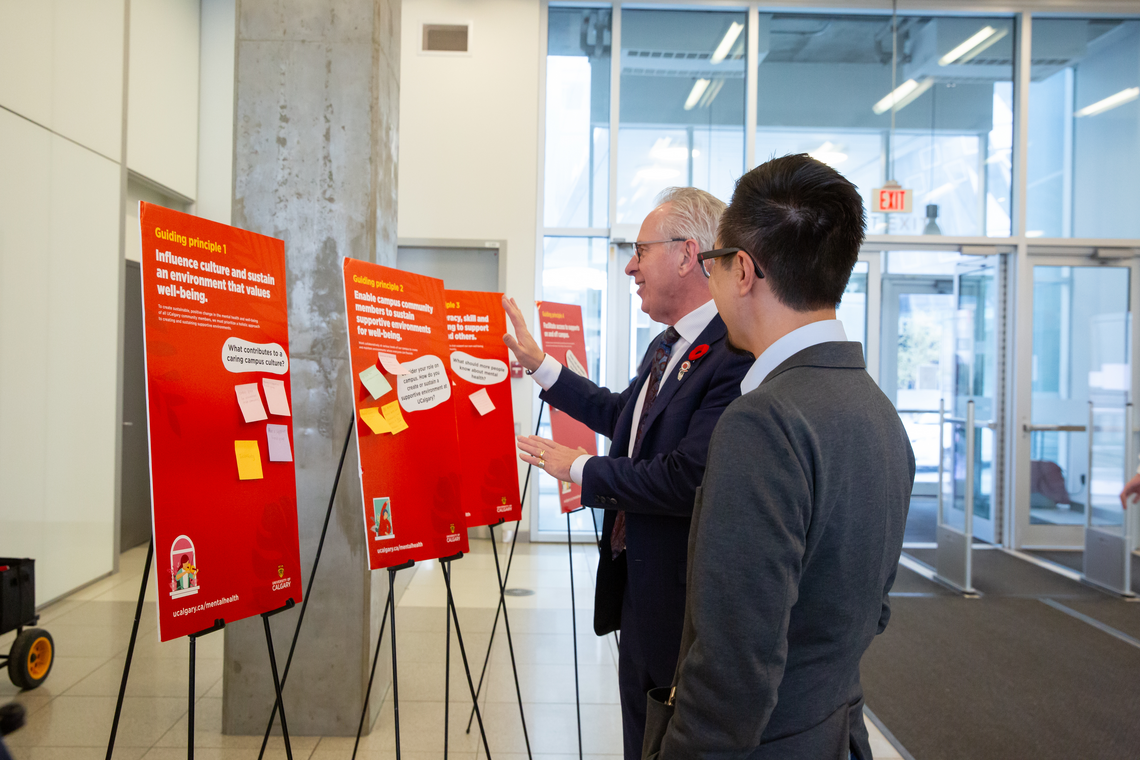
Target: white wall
61 89
162 107
216 111
469 139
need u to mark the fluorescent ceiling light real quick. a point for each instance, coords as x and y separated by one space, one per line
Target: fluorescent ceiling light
711 93
971 47
698 90
725 45
903 95
1109 103
829 154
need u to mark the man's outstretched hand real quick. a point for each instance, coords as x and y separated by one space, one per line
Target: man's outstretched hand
553 457
525 347
1131 491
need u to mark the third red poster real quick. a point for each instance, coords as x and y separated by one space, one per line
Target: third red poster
484 413
562 338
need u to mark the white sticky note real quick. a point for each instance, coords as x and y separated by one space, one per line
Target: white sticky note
375 382
275 396
249 399
392 364
482 401
279 450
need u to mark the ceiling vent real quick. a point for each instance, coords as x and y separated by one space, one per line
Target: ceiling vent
445 38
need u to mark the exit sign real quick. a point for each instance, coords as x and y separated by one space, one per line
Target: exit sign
891 199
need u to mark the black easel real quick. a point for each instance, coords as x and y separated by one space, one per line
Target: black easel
219 624
502 608
372 675
445 563
309 586
574 627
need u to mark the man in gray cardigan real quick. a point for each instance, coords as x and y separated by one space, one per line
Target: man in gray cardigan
798 524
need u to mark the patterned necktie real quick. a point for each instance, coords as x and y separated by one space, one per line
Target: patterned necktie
660 361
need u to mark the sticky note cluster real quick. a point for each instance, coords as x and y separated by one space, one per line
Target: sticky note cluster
384 419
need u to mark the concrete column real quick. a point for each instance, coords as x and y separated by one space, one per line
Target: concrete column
316 117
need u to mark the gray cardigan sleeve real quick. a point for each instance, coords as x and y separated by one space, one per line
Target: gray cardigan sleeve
744 579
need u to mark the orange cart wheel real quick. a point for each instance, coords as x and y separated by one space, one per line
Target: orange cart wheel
31 658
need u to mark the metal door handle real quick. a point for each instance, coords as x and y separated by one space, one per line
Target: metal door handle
1054 428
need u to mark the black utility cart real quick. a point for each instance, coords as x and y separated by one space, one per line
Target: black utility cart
30 658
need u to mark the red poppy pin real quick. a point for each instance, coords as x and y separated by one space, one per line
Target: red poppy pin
698 352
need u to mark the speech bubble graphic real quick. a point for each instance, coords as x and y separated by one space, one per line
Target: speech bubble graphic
242 356
478 371
425 385
575 365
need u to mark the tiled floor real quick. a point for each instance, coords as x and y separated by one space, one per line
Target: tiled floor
70 715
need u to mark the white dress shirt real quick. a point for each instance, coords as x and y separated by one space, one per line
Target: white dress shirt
689 327
825 331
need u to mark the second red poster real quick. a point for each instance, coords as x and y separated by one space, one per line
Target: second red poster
406 435
562 338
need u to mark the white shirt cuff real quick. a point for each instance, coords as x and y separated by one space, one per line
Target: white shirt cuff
577 468
547 373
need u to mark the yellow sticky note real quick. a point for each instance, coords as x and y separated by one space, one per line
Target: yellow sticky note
248 460
393 417
375 422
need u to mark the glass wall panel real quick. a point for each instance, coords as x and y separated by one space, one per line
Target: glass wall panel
1080 356
682 105
574 272
852 310
1084 129
577 118
824 88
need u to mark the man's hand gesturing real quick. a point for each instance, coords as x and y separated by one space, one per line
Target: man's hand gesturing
525 347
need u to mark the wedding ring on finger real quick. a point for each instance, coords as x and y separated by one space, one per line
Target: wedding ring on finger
541 453
542 463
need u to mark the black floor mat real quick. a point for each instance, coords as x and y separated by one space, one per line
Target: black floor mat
1001 574
1001 677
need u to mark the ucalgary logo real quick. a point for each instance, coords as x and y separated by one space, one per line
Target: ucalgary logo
453 537
280 571
453 527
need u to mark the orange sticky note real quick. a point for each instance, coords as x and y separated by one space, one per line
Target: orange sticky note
248 460
375 422
394 417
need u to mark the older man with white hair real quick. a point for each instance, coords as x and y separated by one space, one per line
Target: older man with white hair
659 427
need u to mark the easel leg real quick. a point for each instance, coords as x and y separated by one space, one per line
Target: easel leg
190 712
446 682
506 575
309 587
277 687
130 650
371 676
395 680
463 652
574 625
510 641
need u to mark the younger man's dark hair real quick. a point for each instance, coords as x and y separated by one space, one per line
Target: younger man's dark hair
803 223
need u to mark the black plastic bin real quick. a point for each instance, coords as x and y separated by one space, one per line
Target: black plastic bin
17 593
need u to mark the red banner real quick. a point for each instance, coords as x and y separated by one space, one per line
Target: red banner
223 491
562 338
484 412
406 434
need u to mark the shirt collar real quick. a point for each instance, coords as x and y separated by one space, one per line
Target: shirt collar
814 333
694 323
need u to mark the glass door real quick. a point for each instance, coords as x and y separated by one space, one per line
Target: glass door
1081 383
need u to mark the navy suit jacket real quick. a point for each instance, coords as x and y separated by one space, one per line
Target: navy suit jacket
657 485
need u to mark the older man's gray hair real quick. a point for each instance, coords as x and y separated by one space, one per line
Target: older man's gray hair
693 214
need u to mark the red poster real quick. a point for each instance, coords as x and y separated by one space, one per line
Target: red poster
223 492
484 411
405 424
562 338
